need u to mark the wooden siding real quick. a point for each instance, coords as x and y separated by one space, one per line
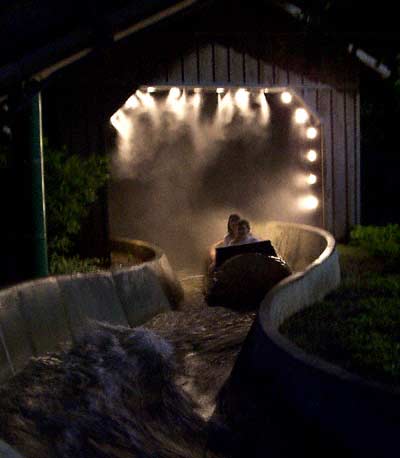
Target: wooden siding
337 107
84 97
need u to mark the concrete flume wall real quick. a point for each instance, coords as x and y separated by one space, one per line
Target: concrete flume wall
312 255
341 410
352 414
43 315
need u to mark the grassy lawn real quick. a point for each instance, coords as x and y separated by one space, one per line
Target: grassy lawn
358 325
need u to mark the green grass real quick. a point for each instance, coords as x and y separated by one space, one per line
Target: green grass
358 325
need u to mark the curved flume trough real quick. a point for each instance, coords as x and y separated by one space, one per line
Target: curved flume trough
46 315
318 407
38 316
41 315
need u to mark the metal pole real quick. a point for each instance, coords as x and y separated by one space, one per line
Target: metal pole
40 261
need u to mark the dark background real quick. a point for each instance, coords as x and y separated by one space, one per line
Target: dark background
380 152
373 27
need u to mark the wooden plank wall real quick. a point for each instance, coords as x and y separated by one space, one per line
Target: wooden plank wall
337 107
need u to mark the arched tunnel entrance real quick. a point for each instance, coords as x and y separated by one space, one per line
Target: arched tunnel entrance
187 157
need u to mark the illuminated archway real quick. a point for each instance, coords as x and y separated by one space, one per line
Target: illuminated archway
256 151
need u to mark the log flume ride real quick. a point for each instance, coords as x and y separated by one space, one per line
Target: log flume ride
243 274
119 391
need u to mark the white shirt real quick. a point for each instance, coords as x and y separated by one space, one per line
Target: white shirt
228 239
248 239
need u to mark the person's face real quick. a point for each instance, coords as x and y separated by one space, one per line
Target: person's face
233 224
242 231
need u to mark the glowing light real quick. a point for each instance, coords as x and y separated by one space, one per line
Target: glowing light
174 92
196 99
132 102
266 90
145 98
225 108
220 90
286 97
265 111
301 116
115 120
312 132
312 155
311 179
151 89
197 90
177 104
242 99
122 124
308 203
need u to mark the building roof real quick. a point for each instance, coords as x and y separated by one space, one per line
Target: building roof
40 36
368 34
29 25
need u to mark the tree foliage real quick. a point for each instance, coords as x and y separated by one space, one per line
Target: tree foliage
71 185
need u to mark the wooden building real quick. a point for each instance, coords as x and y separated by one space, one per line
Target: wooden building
254 44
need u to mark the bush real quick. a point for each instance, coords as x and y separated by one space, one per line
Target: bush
71 185
68 264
